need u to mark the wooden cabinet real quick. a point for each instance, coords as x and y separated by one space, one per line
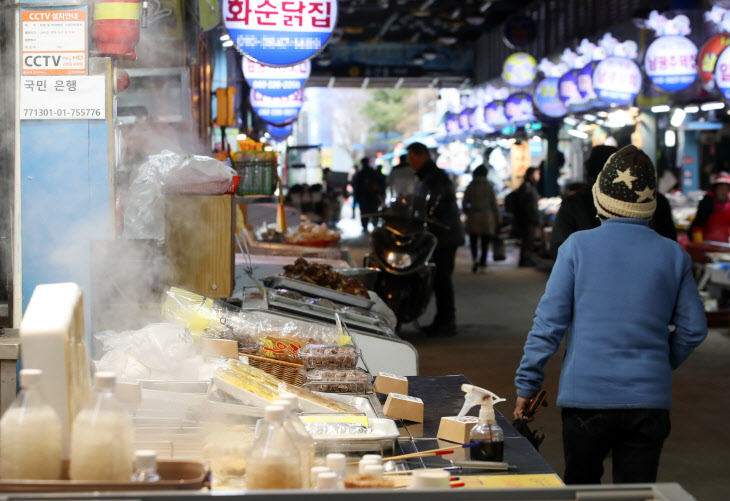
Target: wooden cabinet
199 243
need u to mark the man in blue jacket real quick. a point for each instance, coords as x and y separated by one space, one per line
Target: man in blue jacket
616 289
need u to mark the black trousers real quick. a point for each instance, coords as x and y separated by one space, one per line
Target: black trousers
444 258
527 244
633 436
474 241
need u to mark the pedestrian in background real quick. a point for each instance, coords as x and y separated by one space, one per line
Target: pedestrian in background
482 216
436 198
616 289
402 179
527 215
368 186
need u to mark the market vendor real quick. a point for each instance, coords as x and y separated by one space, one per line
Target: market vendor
712 221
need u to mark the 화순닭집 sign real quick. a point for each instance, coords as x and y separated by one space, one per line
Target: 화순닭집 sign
276 81
280 32
277 110
63 98
53 42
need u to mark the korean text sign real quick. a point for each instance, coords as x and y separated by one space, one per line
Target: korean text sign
277 110
280 32
617 80
671 62
53 42
276 82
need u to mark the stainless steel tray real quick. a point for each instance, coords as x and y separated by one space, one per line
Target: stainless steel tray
281 282
322 313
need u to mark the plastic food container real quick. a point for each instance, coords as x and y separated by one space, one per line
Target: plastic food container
329 356
339 381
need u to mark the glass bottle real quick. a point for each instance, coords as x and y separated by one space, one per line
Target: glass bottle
102 436
274 461
145 464
30 434
489 435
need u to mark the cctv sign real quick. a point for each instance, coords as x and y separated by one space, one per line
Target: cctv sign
53 42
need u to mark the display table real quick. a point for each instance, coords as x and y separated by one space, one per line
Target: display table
442 396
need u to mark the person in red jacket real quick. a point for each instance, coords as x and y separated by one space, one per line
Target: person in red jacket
712 221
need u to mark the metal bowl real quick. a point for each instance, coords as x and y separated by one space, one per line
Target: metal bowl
366 276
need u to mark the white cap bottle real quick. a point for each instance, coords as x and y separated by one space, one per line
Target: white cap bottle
375 457
365 462
327 481
314 473
431 479
337 463
145 462
374 471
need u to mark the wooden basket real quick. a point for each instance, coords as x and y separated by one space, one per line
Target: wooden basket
286 371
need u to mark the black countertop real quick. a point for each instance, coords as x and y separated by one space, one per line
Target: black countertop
442 396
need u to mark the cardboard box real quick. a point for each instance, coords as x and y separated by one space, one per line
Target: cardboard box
390 383
218 348
456 429
404 407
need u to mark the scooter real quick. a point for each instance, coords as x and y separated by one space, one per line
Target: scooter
401 247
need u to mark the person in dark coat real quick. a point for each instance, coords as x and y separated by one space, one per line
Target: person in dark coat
368 185
527 216
482 215
577 211
435 194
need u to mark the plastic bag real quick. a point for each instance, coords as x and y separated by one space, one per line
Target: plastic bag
168 172
274 336
158 351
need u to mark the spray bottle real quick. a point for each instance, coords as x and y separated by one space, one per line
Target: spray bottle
487 432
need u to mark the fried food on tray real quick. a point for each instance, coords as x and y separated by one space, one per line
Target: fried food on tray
324 276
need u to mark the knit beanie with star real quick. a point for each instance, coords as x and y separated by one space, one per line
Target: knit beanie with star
626 187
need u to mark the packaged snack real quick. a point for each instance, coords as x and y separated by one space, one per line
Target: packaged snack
329 356
339 381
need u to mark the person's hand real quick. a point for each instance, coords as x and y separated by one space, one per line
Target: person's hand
521 407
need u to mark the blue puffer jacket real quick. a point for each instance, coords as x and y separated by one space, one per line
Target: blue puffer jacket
616 288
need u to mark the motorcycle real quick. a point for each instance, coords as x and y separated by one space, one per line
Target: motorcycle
401 248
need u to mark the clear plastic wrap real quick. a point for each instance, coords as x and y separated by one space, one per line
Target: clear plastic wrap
339 381
329 356
160 351
261 333
144 202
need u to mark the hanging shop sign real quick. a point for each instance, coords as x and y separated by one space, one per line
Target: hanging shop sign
707 58
451 122
466 119
494 115
276 82
585 84
547 100
569 93
722 73
277 110
518 109
280 32
670 63
279 133
617 80
519 69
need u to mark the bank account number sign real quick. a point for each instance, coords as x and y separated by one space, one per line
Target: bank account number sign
54 42
280 32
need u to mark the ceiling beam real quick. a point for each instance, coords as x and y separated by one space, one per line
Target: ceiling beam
388 23
399 83
331 83
365 83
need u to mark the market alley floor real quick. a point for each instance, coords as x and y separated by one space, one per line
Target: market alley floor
494 313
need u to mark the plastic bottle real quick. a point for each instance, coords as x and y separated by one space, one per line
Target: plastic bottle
337 463
487 432
145 463
326 481
304 443
30 434
314 473
102 436
375 457
301 430
271 463
374 471
364 463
